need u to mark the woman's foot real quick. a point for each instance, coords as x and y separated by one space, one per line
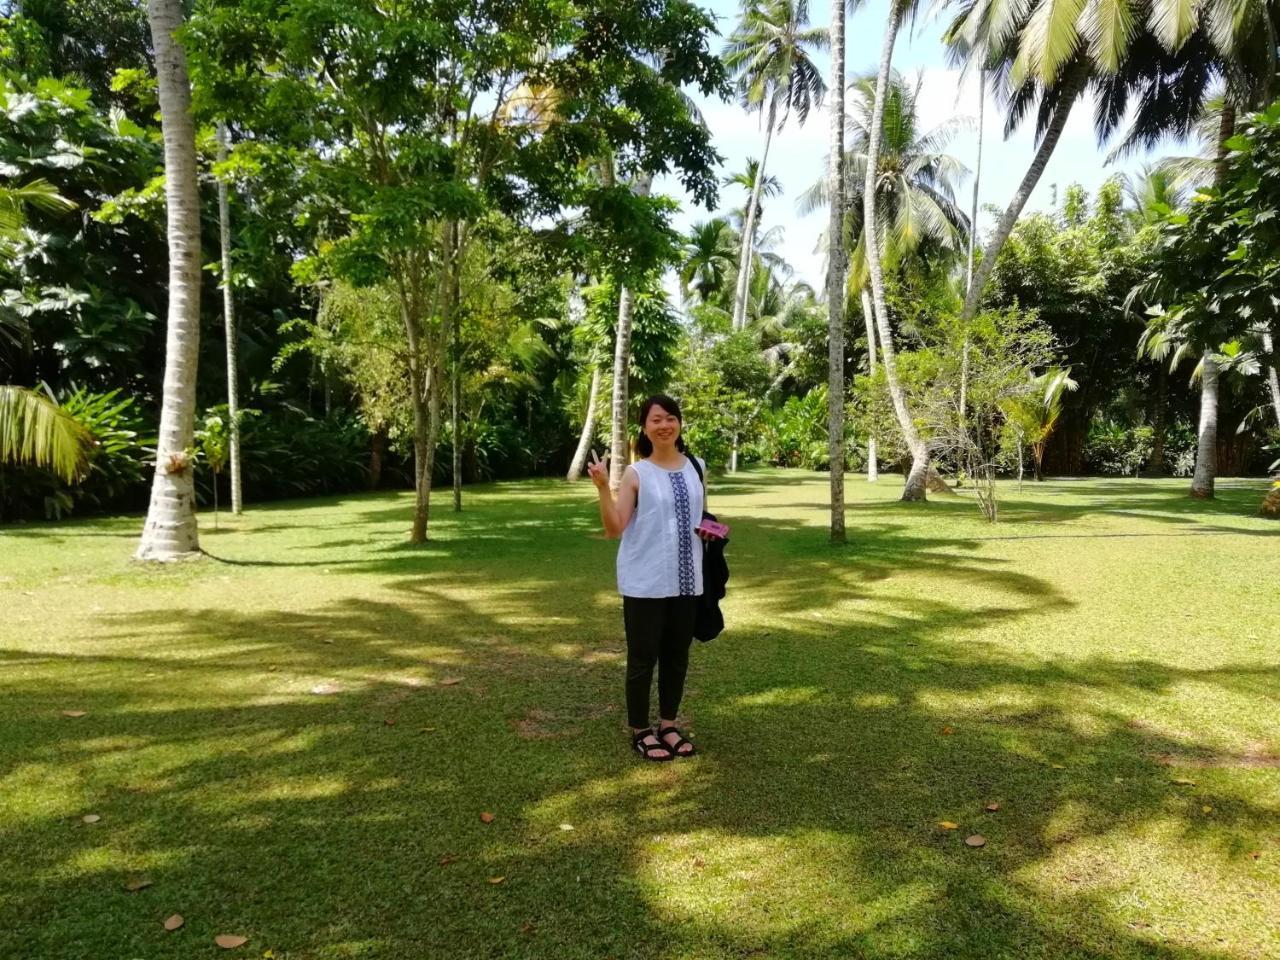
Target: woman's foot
646 743
675 741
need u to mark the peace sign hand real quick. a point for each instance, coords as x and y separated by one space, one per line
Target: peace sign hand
599 471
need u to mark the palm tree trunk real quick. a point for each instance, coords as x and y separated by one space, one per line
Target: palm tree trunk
1052 134
868 315
747 255
455 356
622 365
170 531
229 319
1273 382
836 257
1159 423
1207 447
915 486
588 428
973 236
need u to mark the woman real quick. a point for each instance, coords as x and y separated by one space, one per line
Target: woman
656 511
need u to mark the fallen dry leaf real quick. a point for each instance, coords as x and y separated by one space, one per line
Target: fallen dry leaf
1058 766
428 729
699 863
991 807
325 689
450 681
947 731
134 884
566 826
1255 854
174 922
977 840
487 817
1183 782
75 714
948 825
390 721
496 880
448 858
90 818
527 927
229 941
1206 809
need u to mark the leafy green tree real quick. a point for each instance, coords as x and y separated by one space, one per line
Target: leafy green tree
398 123
1033 415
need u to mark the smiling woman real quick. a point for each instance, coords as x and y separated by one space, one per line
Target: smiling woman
657 511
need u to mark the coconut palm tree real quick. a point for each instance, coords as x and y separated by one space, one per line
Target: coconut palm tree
1164 56
770 52
170 531
916 205
709 260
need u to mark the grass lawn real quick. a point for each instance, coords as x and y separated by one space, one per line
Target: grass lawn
1104 665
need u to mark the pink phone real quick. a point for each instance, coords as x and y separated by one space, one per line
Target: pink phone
713 528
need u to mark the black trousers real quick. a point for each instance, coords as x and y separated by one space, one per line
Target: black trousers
659 633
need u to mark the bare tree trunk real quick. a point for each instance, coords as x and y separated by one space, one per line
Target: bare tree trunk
1207 445
973 236
1159 423
229 319
873 465
991 252
455 351
170 532
377 455
1273 382
914 488
747 254
621 454
423 449
588 428
836 257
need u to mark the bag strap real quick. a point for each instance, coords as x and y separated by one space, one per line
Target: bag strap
698 470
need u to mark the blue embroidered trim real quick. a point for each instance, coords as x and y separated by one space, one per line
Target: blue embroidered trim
684 533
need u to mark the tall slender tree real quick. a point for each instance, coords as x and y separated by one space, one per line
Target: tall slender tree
836 260
229 325
770 52
170 531
620 449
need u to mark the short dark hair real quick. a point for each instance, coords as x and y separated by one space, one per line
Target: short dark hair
644 446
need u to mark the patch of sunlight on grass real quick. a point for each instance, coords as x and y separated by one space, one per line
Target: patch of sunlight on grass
781 697
1113 871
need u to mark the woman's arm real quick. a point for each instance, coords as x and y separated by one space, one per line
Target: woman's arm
615 511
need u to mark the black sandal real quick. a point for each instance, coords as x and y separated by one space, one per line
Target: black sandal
646 750
680 742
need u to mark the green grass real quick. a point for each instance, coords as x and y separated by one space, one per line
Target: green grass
1109 638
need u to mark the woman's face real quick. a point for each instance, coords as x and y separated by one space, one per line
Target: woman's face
660 426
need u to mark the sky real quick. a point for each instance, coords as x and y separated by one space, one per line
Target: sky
798 154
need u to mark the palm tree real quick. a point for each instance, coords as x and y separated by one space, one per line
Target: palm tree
837 257
916 206
170 531
1164 56
1035 414
229 320
708 260
770 53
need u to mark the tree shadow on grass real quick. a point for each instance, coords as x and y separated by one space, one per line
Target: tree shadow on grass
317 824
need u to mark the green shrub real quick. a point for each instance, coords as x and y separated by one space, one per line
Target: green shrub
795 435
119 466
1116 448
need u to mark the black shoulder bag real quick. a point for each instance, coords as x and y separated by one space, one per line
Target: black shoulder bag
709 621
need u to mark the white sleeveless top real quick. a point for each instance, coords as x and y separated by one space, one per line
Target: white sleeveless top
660 555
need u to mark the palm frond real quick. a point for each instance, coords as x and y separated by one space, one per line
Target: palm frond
34 430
